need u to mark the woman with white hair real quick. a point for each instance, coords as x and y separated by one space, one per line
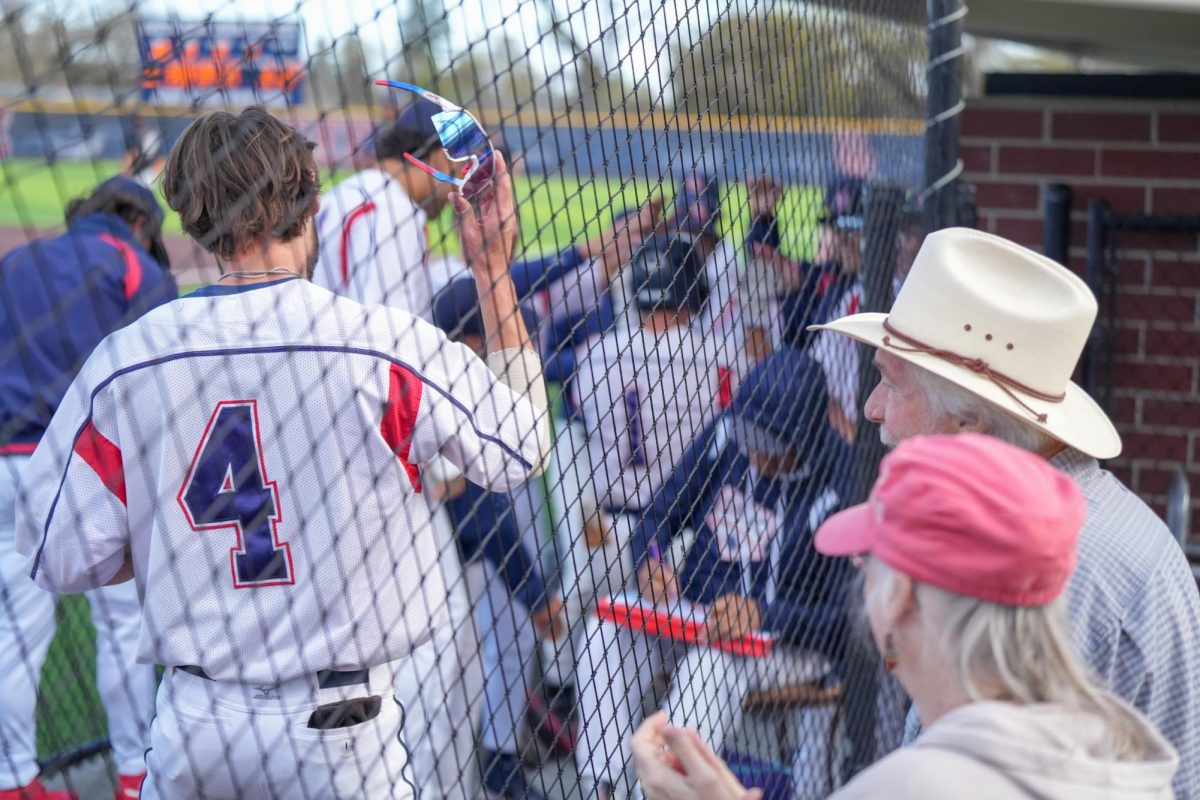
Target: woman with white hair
966 545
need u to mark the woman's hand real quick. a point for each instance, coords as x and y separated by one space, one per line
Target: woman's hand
674 764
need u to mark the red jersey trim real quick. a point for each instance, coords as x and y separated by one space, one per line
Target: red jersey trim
104 458
18 449
358 211
400 417
133 267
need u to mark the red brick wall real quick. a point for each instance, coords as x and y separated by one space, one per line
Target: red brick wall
1140 157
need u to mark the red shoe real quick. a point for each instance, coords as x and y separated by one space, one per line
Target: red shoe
34 790
129 787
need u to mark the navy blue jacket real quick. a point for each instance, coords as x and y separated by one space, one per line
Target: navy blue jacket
808 608
813 303
484 524
59 298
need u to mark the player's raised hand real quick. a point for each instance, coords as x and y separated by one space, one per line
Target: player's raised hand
650 215
487 230
626 234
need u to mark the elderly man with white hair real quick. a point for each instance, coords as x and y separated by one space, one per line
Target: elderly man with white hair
984 336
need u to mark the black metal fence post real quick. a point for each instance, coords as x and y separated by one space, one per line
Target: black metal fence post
1056 243
1097 252
861 670
944 113
882 206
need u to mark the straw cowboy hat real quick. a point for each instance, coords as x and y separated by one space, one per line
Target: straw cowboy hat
1002 322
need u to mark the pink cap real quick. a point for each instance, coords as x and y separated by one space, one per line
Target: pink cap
969 514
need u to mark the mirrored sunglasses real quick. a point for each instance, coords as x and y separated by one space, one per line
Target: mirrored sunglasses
463 139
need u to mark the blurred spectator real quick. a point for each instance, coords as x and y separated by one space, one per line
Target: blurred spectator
974 629
500 548
62 296
984 336
145 152
753 486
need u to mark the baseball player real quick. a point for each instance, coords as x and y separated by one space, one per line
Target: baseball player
754 486
62 296
250 455
644 394
697 216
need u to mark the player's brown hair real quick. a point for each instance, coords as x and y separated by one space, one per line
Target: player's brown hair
239 179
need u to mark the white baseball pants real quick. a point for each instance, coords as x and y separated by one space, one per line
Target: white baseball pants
226 741
27 625
439 684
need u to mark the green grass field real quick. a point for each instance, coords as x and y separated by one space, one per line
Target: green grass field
554 212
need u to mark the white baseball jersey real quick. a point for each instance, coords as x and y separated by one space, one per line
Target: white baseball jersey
643 400
373 244
256 450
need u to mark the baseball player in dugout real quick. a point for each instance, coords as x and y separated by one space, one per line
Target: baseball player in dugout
249 456
103 272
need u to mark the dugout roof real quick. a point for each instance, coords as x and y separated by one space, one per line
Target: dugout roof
1159 34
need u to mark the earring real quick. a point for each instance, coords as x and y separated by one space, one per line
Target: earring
891 656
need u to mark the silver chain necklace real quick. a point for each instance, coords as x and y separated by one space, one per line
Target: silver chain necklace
263 274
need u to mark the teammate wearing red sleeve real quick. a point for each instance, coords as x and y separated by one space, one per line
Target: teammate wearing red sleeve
61 297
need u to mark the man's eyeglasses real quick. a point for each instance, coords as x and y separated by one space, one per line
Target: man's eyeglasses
463 139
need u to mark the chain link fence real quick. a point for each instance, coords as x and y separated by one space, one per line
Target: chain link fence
367 559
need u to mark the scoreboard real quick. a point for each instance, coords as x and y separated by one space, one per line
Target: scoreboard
221 62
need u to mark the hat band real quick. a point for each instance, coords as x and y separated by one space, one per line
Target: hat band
1005 383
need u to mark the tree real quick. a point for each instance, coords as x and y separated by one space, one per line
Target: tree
424 34
338 75
821 63
73 47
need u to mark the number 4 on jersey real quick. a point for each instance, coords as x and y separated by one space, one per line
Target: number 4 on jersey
227 488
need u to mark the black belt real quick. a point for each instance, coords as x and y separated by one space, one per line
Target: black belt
326 678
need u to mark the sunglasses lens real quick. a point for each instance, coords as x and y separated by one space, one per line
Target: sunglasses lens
460 135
